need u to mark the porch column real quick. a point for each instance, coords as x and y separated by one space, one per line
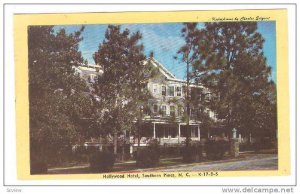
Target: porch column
154 135
240 138
199 133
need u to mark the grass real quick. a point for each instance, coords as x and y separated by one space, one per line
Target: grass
130 165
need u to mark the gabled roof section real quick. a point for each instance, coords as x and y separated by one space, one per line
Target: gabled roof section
166 72
162 69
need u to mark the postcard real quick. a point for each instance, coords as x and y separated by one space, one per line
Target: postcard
151 95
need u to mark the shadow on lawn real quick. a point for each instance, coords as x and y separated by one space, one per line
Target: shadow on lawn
130 166
126 166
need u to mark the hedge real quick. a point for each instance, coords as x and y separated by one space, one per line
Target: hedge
102 161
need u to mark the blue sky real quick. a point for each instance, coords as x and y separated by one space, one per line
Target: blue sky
164 40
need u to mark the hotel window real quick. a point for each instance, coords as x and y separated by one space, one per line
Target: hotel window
172 111
178 91
194 112
159 130
92 78
171 91
208 96
199 95
173 132
77 72
154 88
166 132
194 132
179 111
202 97
170 132
163 110
155 108
163 90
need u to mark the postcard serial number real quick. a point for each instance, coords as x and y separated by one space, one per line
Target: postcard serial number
208 174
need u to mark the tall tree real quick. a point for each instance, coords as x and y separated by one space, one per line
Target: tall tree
186 55
56 101
122 87
231 63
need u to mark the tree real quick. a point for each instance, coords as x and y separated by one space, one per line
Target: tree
56 98
122 86
187 56
231 64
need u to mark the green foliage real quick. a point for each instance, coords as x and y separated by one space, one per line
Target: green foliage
191 153
265 143
215 150
38 165
102 161
228 59
170 151
147 157
187 55
51 57
122 87
57 98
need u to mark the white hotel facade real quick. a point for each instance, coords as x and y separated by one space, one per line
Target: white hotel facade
164 117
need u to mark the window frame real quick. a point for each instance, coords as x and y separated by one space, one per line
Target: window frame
92 78
194 132
168 90
154 108
165 111
174 110
166 133
164 90
179 111
155 88
178 87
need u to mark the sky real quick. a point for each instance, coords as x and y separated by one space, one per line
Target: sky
164 40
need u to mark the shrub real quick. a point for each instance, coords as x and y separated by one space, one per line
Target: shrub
102 161
38 166
170 151
265 143
147 157
215 150
246 147
192 153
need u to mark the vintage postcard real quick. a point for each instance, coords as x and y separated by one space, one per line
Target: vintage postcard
149 95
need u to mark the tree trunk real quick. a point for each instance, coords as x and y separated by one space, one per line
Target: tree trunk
123 152
115 142
249 138
188 104
188 127
123 146
139 128
139 137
